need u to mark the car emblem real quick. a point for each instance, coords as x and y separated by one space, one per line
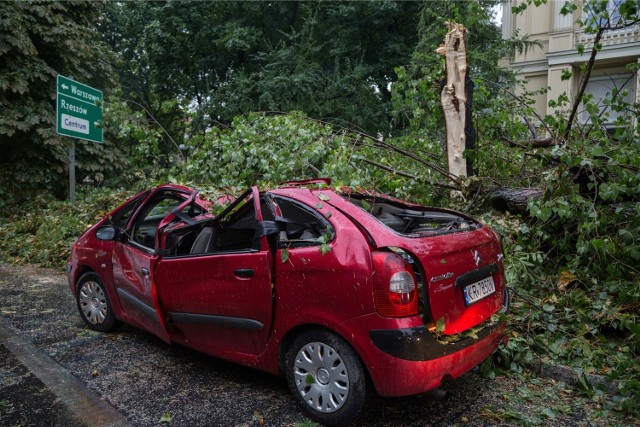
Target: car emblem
476 258
442 277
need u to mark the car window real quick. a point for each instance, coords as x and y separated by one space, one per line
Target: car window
121 218
300 225
144 229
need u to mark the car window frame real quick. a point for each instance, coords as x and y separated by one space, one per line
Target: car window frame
293 244
132 205
164 194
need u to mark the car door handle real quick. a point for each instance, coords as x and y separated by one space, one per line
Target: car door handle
244 272
145 271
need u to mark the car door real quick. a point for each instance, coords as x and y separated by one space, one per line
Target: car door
220 300
134 259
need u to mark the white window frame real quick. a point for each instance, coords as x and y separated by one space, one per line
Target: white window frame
621 81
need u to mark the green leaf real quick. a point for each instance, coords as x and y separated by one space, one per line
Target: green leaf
323 197
327 214
284 255
165 418
325 249
309 380
319 205
440 326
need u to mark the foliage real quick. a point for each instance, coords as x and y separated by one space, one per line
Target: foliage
195 73
330 60
143 143
39 40
44 232
269 149
572 261
416 95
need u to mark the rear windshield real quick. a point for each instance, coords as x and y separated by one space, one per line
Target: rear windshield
411 220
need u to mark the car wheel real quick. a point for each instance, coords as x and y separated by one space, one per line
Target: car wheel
326 377
94 305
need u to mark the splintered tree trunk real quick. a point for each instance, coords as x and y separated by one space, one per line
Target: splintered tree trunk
453 98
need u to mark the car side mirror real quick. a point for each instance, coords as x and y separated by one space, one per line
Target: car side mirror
107 232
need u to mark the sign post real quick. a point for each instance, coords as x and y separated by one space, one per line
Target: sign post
78 115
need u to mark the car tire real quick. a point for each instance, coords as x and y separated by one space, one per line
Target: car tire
326 377
94 305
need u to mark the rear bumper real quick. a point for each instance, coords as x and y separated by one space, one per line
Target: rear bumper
419 345
403 358
421 364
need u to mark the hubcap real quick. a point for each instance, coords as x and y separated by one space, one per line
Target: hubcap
93 302
321 377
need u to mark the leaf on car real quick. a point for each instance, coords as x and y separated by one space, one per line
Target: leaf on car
165 418
365 205
323 197
327 214
319 205
440 325
324 249
284 255
309 380
472 333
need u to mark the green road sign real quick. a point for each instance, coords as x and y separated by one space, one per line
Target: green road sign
78 110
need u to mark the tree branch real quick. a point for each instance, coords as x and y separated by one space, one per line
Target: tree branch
584 81
532 143
407 175
589 69
382 144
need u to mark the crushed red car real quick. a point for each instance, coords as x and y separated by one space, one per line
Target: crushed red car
330 288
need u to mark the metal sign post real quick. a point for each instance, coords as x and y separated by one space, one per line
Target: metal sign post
72 172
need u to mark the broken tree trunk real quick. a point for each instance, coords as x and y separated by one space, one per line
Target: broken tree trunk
453 96
514 200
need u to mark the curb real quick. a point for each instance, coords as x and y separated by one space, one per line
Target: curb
70 390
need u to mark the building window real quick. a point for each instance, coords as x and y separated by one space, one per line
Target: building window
560 21
603 13
602 90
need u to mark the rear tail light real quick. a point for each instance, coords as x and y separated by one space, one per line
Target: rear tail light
394 286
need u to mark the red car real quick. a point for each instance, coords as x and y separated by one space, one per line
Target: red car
339 290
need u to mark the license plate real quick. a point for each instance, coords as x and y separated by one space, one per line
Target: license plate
479 290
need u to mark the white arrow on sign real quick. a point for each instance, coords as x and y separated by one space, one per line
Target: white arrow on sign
64 86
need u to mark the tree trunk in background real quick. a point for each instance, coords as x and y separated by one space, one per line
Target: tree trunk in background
453 98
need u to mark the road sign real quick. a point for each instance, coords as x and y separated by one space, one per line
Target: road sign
78 110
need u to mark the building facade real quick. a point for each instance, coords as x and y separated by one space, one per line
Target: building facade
550 65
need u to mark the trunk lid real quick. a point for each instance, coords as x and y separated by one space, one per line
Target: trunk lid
463 277
458 261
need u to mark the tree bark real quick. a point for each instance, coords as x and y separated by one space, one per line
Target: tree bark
514 200
453 96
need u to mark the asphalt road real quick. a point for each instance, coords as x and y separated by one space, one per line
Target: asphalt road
55 371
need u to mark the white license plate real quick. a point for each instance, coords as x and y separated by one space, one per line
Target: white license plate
479 290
